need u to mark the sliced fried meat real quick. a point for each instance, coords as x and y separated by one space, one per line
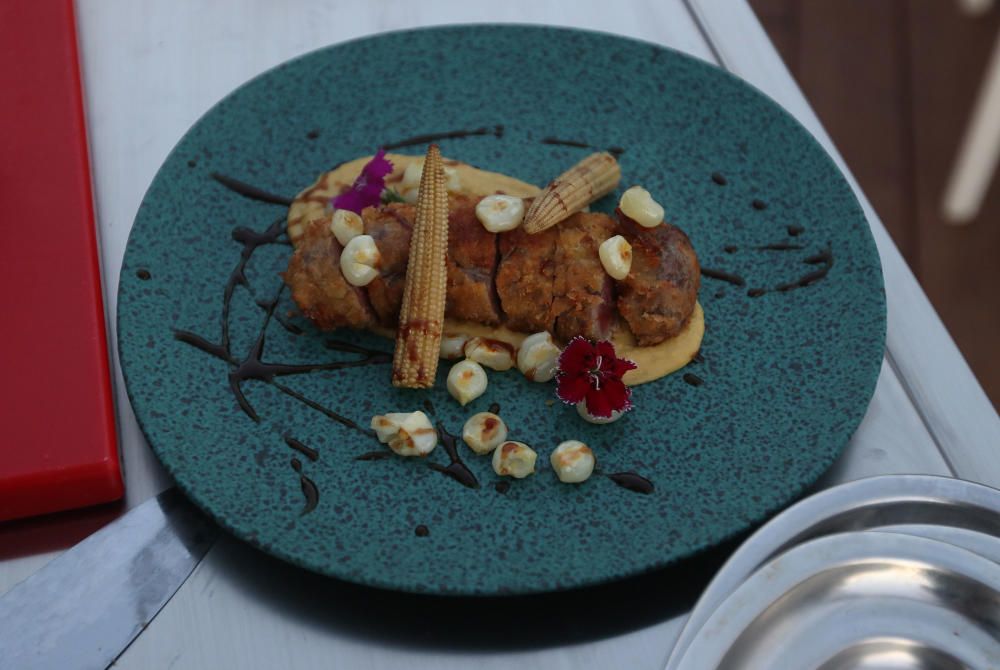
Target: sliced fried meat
319 288
583 302
525 279
391 227
551 281
472 257
472 261
659 294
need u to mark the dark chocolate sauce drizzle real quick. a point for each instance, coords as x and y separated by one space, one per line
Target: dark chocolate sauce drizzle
781 246
285 323
823 259
251 241
721 275
373 456
693 379
253 366
632 481
719 179
252 192
457 470
309 489
614 151
496 131
289 326
566 143
305 450
758 204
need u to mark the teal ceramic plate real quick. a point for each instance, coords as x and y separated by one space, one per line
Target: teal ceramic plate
786 375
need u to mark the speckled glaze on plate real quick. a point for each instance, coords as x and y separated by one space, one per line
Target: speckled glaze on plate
787 375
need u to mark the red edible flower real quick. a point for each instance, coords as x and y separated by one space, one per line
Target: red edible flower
590 371
367 188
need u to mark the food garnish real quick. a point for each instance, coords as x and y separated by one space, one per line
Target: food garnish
466 381
514 459
407 434
367 188
538 357
590 376
581 409
359 260
637 204
391 195
500 213
421 317
493 354
495 283
409 184
484 431
453 346
573 461
346 225
616 256
589 180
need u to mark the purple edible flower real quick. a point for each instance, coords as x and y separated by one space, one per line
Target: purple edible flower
367 188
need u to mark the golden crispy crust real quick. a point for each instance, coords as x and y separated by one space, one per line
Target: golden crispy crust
583 302
472 261
319 288
526 277
658 296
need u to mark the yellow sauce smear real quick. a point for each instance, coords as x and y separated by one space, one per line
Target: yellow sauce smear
653 362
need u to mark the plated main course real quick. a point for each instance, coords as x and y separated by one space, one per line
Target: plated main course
461 264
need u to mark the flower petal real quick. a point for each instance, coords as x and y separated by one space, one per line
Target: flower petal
606 351
571 388
367 188
614 396
598 404
350 200
623 365
577 356
378 168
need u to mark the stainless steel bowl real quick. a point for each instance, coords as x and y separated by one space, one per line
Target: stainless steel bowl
946 509
858 600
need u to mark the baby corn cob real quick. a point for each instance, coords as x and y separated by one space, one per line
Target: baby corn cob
590 179
421 318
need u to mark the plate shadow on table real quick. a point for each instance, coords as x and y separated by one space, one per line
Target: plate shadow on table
398 619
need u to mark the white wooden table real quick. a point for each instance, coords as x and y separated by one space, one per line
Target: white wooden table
152 68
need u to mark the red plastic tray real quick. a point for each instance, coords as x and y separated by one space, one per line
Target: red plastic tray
57 433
